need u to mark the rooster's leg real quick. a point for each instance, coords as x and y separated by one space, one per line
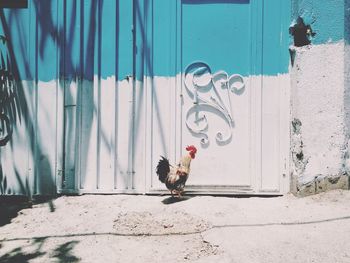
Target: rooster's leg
175 192
178 193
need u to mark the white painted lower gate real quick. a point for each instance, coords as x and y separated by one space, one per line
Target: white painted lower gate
190 85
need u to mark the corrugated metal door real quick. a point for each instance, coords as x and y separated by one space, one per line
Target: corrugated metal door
100 97
103 88
146 78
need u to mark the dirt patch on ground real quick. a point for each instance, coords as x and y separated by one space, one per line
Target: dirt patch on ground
147 223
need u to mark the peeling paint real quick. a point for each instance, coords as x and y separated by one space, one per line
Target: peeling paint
325 17
323 184
296 123
301 33
299 160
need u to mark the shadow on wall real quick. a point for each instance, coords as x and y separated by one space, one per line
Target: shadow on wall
347 21
21 113
17 109
197 2
75 34
347 64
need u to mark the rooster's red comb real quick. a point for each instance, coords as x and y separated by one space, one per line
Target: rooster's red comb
191 148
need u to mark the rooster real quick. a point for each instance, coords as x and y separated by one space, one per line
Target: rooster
175 177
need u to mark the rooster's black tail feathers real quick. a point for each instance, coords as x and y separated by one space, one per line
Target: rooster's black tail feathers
163 169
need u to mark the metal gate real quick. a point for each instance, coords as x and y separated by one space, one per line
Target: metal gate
155 76
102 88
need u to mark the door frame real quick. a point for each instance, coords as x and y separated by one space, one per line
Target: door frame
177 86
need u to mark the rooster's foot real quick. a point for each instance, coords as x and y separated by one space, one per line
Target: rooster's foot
177 193
180 193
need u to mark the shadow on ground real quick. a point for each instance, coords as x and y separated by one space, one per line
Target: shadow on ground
62 253
10 206
171 200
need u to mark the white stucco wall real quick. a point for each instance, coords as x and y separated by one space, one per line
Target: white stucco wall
319 140
347 102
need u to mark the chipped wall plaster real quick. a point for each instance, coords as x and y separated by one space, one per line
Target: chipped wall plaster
319 138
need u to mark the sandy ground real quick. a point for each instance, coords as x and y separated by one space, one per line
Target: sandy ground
126 228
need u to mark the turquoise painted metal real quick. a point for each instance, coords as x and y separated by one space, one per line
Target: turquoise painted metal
110 38
204 32
141 37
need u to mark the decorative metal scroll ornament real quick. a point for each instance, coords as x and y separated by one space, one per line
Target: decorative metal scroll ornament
203 87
